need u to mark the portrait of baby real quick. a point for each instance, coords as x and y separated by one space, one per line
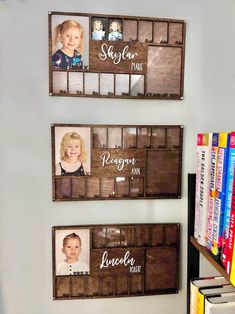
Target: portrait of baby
72 252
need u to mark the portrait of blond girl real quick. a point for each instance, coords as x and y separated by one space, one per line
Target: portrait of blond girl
115 31
70 36
72 155
98 32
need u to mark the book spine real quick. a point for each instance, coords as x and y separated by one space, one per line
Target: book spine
221 180
214 155
230 255
217 225
210 222
204 188
197 187
207 307
221 171
232 272
228 198
200 302
193 299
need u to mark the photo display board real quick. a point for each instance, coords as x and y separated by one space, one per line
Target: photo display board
116 56
98 261
116 161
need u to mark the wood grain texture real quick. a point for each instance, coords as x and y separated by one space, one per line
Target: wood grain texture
152 248
127 162
151 47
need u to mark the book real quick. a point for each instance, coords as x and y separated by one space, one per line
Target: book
220 304
217 224
228 198
197 185
220 187
206 291
197 283
230 242
232 271
204 188
212 194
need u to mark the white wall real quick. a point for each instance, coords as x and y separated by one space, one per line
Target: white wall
26 207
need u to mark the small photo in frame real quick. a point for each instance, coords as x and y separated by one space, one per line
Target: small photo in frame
70 42
115 30
99 28
72 151
72 252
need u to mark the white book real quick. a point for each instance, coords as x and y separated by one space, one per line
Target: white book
197 187
211 291
204 188
196 283
217 290
221 304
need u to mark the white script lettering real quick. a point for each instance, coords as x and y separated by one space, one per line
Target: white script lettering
107 52
125 261
120 162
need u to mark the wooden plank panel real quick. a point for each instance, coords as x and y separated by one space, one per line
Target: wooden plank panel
143 57
116 161
116 260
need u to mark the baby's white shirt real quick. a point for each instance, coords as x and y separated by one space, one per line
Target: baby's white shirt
65 268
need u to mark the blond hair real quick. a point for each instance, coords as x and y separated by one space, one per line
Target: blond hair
71 236
119 29
97 22
63 144
61 28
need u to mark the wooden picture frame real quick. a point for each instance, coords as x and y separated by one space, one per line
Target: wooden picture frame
117 260
116 162
116 56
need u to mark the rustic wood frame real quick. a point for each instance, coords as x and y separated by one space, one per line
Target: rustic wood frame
157 39
154 268
156 152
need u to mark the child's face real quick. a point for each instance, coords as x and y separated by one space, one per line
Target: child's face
97 26
114 26
72 249
73 149
71 38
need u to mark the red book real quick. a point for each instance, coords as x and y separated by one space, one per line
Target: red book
230 243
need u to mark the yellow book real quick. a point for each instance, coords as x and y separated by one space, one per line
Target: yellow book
200 303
